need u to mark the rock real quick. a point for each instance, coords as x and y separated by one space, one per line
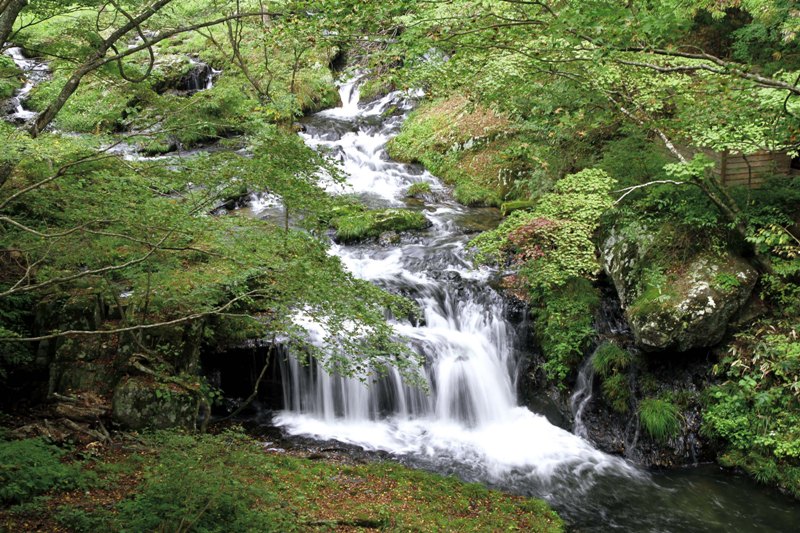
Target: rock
388 238
686 304
139 403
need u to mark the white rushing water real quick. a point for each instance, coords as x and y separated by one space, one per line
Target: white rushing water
471 416
35 72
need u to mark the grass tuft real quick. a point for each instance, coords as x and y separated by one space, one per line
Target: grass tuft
660 418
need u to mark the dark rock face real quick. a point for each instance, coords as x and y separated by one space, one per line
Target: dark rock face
197 79
623 434
681 377
691 307
139 403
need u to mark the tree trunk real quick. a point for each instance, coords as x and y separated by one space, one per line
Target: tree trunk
8 16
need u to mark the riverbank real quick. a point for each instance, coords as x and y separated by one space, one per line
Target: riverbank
231 482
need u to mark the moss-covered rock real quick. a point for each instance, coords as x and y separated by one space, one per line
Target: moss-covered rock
140 402
674 302
354 225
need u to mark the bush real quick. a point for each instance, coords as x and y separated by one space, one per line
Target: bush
563 325
660 418
32 466
755 412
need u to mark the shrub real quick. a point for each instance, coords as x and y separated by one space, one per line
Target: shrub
660 418
755 411
563 325
32 466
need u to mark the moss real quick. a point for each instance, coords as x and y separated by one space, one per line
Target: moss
418 189
509 207
353 226
660 418
227 482
463 144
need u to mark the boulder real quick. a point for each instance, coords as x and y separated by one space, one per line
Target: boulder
139 402
671 303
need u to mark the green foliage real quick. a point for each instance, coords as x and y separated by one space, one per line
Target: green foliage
551 244
610 359
357 226
31 467
418 189
617 392
756 411
563 324
660 418
9 77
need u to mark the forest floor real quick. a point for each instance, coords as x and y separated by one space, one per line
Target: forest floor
170 481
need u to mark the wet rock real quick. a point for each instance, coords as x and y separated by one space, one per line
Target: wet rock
388 238
140 403
686 306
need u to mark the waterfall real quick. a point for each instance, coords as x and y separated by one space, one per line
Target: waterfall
582 396
469 422
470 416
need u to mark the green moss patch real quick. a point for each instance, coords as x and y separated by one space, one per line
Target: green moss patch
462 143
227 482
354 225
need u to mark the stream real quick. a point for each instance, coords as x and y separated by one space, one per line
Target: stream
471 423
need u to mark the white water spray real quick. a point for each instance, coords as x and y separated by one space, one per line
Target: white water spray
471 415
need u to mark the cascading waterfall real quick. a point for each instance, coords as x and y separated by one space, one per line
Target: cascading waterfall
470 423
470 414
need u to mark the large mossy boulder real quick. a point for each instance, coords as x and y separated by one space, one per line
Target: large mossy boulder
139 402
676 296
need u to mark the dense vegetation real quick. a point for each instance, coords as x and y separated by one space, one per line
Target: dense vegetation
583 121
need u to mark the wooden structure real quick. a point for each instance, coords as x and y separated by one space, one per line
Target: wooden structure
734 169
737 170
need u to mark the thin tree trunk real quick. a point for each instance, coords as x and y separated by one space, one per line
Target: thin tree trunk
8 16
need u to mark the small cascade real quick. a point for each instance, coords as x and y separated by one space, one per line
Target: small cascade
582 396
35 71
200 78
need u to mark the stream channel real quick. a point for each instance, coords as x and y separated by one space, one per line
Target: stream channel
471 423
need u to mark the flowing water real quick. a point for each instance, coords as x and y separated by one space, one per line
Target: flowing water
470 422
35 71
